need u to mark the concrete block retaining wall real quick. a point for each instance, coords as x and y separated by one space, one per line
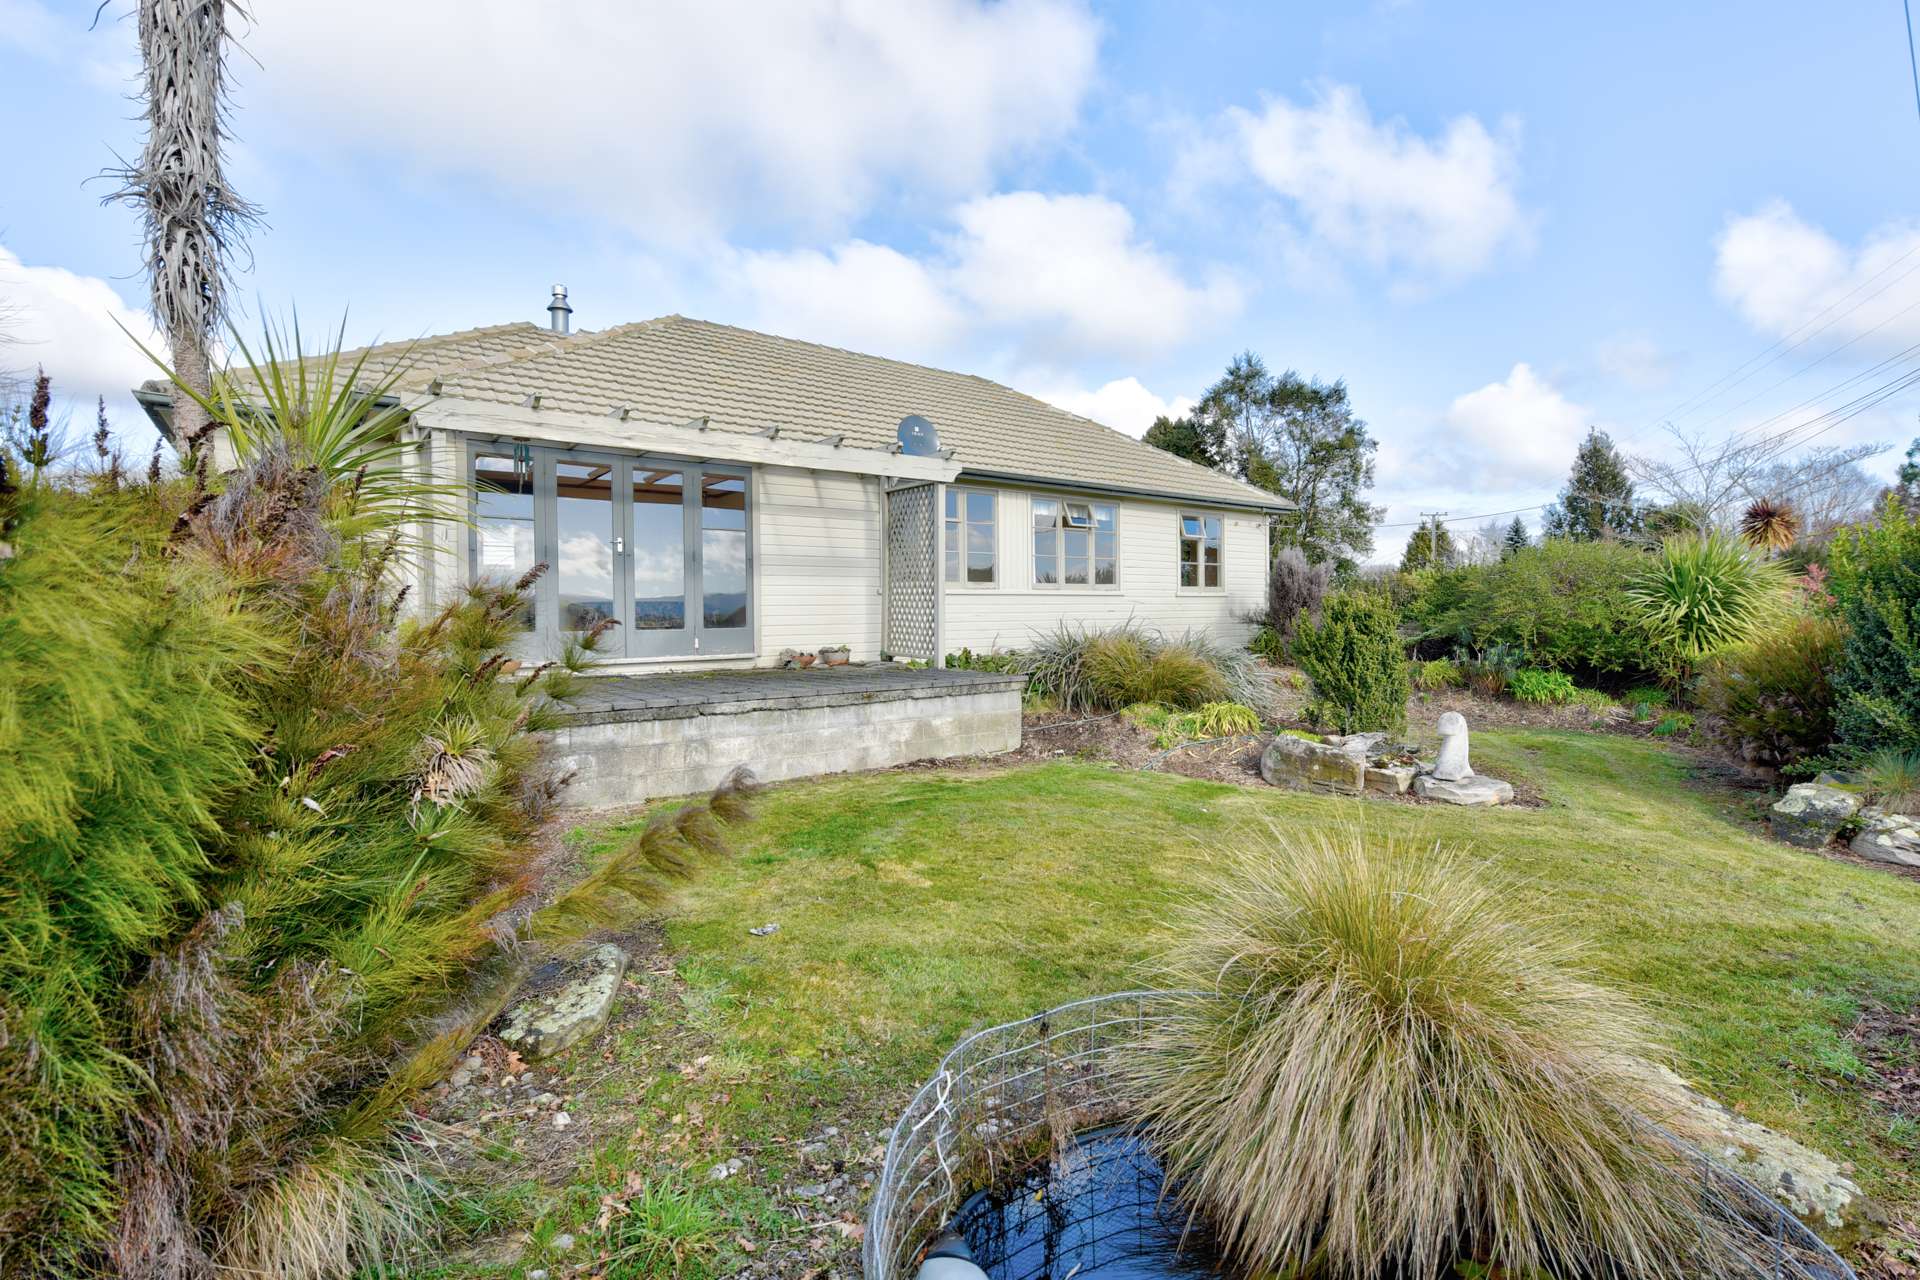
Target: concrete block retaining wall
624 759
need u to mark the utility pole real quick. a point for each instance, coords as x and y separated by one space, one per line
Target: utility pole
1433 519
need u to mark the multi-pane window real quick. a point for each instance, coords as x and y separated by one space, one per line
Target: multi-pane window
970 541
502 539
1075 544
1199 551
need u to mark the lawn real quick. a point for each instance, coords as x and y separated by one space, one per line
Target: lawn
914 906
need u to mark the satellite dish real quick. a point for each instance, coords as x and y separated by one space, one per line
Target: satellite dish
918 437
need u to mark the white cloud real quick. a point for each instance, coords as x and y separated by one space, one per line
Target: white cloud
1517 431
1123 404
69 324
1071 271
1055 277
865 296
682 119
1426 210
1783 274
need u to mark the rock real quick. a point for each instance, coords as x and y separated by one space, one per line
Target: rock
1811 814
546 1099
544 1025
766 930
1474 791
463 1075
563 1242
1812 1186
1888 837
811 1191
538 1273
725 1169
1290 761
1392 779
561 1120
1453 765
1845 779
1358 744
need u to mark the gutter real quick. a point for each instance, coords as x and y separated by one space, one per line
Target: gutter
1273 506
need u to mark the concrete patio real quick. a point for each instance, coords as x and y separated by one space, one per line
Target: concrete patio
632 738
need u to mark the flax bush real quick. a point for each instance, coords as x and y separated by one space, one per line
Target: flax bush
1385 1069
1704 594
1875 577
1771 701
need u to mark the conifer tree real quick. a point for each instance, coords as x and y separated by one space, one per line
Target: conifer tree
1430 547
1517 538
1598 499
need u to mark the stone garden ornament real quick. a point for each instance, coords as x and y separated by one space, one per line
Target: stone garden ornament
1452 765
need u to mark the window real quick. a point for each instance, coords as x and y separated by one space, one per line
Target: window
502 539
970 540
1200 551
1075 544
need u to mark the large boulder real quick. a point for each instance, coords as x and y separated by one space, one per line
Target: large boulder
1812 1185
1475 791
552 1021
1812 813
1888 837
1294 762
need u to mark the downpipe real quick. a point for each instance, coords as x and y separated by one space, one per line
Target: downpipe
948 1258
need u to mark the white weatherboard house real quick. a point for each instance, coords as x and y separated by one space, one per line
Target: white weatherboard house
725 495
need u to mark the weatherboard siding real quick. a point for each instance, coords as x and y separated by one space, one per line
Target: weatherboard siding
818 561
1008 614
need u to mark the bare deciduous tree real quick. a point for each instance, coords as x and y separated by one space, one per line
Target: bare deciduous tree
1718 478
193 220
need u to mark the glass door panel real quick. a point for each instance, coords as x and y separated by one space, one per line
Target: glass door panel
501 545
584 548
725 574
657 554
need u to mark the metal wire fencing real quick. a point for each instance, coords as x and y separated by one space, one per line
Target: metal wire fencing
1013 1095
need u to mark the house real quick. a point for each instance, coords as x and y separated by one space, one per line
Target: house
725 495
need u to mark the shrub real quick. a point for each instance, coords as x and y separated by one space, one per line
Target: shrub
269 871
1771 701
1438 673
1294 588
1265 643
1703 594
1123 668
1562 603
1531 684
1644 698
1491 670
1674 724
1874 574
1893 776
993 660
1355 664
1385 1068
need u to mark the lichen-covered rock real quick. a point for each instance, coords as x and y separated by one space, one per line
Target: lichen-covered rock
1478 791
1812 1185
1811 814
1290 761
1888 837
1358 744
543 1025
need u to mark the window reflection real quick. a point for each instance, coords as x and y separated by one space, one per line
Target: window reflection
723 551
501 549
583 574
659 550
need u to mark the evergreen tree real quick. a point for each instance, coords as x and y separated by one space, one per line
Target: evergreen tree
1297 438
1598 499
1181 438
1430 547
1517 538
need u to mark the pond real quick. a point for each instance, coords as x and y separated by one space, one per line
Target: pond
1099 1212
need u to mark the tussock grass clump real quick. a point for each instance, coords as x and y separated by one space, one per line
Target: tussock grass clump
1389 1072
1893 776
1104 670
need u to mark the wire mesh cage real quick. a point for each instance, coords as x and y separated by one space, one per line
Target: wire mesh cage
1010 1100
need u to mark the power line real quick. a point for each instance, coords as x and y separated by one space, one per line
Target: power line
1913 63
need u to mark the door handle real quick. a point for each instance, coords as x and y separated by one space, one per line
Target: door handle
619 546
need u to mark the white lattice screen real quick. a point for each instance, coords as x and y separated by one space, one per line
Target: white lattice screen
912 607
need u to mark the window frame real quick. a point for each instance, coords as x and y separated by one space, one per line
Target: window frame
1180 537
1062 526
947 526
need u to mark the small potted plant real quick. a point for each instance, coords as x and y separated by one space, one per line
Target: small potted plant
835 655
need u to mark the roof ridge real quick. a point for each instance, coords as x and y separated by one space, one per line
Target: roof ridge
563 344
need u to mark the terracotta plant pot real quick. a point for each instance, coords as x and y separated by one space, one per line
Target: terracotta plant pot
805 660
834 657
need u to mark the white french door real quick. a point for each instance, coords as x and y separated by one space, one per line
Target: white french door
661 547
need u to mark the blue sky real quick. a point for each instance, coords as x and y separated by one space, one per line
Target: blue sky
1497 222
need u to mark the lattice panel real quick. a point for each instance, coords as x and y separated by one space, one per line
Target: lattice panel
912 607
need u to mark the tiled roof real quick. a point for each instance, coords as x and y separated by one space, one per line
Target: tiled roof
674 369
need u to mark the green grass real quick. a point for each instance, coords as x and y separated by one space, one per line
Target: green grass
916 906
